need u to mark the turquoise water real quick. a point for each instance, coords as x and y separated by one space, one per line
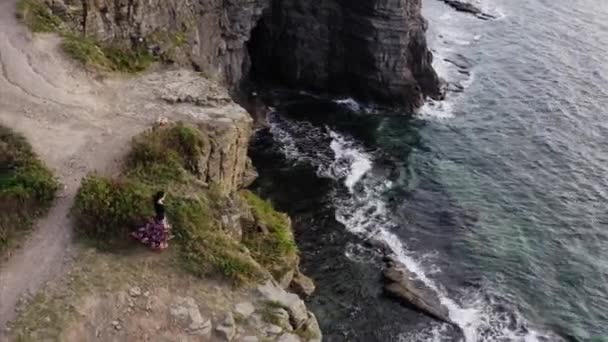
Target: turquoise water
496 197
525 148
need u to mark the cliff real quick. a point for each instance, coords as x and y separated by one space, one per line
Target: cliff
233 257
208 35
374 50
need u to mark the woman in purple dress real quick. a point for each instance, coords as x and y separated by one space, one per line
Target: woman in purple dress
155 233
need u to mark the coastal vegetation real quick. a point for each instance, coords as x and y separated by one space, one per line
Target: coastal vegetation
167 158
91 53
27 187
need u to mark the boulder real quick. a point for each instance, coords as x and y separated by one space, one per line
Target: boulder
227 330
185 310
403 285
302 285
468 7
244 309
298 313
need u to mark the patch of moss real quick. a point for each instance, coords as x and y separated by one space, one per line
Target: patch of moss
275 247
37 16
27 187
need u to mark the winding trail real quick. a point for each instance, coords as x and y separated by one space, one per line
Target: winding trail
76 127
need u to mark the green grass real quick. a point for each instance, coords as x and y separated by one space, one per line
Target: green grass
275 249
105 210
27 187
37 16
106 58
169 154
204 247
167 158
86 50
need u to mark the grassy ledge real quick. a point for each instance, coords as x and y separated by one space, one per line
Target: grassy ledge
167 158
37 16
271 242
27 187
91 53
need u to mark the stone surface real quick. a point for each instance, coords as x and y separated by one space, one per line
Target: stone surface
250 339
467 7
296 43
209 35
281 318
373 50
299 317
244 309
402 285
185 310
135 291
227 330
226 126
302 285
273 329
288 338
298 313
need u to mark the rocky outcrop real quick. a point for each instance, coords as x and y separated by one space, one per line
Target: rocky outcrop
300 319
374 50
209 35
402 285
188 96
467 7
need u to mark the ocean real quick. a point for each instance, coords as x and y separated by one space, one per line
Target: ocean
495 198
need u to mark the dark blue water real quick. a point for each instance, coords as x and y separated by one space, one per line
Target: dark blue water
496 197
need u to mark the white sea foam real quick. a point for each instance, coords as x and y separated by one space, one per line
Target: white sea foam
363 211
359 161
349 103
436 110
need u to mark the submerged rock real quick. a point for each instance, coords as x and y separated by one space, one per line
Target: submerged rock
402 285
467 7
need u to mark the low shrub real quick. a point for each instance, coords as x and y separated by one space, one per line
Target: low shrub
165 154
105 210
27 187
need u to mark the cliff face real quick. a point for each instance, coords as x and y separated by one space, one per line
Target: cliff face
371 49
374 50
209 35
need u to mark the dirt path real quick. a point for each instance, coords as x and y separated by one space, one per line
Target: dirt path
72 123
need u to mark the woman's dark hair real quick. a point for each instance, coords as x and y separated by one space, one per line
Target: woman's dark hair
158 196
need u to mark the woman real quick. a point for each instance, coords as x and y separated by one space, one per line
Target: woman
155 233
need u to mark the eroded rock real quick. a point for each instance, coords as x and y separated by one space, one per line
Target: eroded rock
244 309
302 285
468 7
227 330
403 285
